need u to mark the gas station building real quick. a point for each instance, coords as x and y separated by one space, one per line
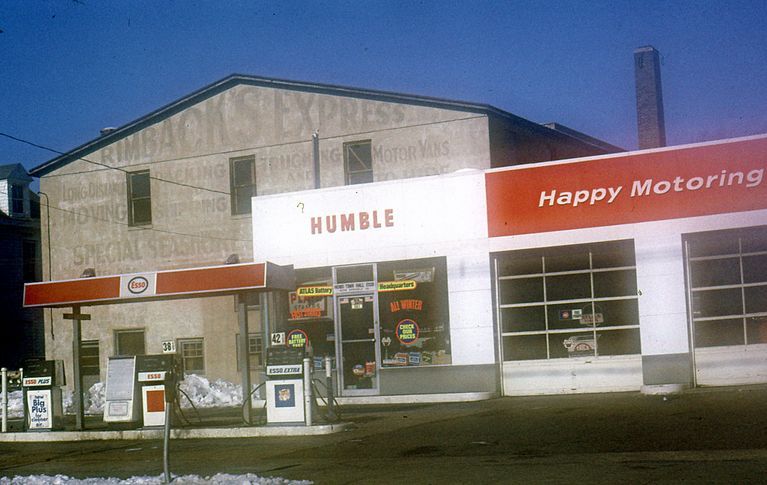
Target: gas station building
631 271
438 247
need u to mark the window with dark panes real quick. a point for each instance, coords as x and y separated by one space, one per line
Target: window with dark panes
310 306
358 162
139 198
17 199
89 358
242 173
31 261
727 286
255 350
568 301
192 356
129 342
413 309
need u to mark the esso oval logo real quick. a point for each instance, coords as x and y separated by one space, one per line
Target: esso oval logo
138 285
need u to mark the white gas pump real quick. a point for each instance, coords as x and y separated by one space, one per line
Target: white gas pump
285 386
154 373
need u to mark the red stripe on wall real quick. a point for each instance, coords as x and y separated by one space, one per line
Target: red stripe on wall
514 196
84 290
211 279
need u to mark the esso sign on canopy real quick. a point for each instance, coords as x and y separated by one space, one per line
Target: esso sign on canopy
137 285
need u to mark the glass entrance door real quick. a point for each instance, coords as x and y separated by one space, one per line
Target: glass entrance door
358 329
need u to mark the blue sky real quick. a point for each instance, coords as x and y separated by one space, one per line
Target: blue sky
71 67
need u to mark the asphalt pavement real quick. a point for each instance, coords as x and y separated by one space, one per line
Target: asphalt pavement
716 435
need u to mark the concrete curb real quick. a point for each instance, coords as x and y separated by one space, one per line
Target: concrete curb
157 434
663 389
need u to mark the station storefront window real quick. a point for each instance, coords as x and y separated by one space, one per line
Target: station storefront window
727 283
413 310
568 301
412 328
310 312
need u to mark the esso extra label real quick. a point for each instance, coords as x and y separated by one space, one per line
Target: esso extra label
282 370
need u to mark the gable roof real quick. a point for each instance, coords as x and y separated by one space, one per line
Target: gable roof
14 171
240 79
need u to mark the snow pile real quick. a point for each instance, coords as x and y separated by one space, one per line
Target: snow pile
218 479
200 392
15 404
95 400
204 394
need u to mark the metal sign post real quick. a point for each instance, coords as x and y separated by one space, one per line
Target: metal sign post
77 399
5 400
244 358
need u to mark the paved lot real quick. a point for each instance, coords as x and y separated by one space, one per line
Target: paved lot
703 436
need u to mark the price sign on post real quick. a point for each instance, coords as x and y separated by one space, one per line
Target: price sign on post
278 338
169 347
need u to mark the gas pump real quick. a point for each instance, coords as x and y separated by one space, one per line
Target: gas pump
285 385
42 381
157 377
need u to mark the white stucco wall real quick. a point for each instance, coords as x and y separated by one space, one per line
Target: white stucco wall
431 216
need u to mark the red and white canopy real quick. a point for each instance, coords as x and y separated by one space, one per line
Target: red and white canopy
160 285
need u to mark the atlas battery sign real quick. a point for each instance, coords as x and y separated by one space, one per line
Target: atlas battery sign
670 183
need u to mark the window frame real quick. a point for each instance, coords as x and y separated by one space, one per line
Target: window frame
351 175
132 221
30 262
257 358
236 187
182 344
598 306
707 313
17 199
87 355
117 347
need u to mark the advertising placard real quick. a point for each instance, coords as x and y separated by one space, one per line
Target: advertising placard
39 409
407 331
297 339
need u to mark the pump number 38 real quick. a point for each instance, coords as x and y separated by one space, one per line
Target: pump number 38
169 347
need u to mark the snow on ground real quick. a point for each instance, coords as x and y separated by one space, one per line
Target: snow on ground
200 392
218 479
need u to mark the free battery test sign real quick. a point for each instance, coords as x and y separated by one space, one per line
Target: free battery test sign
297 339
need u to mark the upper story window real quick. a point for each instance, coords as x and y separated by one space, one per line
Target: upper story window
139 198
242 174
358 162
17 199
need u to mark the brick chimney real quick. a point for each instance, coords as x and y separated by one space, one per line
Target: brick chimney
650 123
